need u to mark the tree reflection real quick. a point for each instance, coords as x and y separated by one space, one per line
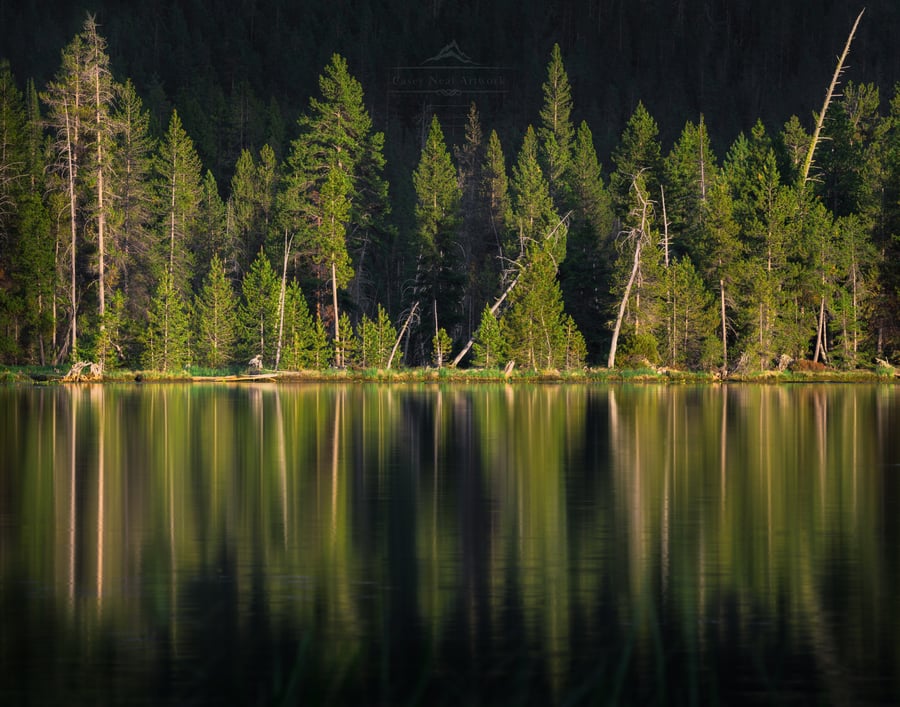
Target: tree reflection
447 544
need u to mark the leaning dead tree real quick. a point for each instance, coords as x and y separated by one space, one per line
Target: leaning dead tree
639 235
554 232
835 79
807 164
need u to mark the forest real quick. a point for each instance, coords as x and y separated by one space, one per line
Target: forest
473 234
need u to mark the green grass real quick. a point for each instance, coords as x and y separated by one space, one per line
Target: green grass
35 374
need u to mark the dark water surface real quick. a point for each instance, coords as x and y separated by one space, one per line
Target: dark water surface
484 545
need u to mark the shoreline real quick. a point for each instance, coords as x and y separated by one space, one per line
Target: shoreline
45 376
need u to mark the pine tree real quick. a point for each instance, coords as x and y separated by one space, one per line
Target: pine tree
376 339
258 311
688 169
496 193
166 338
215 319
638 152
179 196
489 348
253 188
441 346
533 214
439 280
337 148
556 132
299 331
589 241
210 229
135 257
533 325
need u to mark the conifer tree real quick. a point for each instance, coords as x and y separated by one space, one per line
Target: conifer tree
496 193
534 216
299 331
439 280
376 339
688 171
215 319
167 337
338 155
210 230
588 247
556 132
179 194
638 152
258 311
135 257
489 347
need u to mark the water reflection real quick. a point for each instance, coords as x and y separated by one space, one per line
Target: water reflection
446 545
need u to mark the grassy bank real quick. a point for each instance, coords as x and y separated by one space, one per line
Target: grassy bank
51 375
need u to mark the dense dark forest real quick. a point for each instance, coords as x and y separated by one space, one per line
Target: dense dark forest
202 184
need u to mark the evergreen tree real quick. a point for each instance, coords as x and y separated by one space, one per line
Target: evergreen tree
210 231
441 346
215 319
475 238
533 326
166 338
688 169
299 331
638 152
258 311
439 280
588 247
337 148
134 256
179 197
253 188
692 328
489 348
533 215
376 339
496 193
556 132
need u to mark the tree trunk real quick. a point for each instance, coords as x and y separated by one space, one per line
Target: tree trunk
807 163
281 298
72 167
820 333
338 353
611 361
403 329
724 330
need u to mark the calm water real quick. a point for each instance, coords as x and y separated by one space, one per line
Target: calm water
365 544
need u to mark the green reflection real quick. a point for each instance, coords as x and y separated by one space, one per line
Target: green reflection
395 541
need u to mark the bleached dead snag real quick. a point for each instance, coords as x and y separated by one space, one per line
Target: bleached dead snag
494 307
84 371
412 313
638 235
807 163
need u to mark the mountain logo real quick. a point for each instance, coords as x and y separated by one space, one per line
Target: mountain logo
450 52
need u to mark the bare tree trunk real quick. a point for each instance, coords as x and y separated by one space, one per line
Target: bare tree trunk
281 298
403 329
638 234
807 163
72 167
820 333
611 361
494 308
724 330
338 353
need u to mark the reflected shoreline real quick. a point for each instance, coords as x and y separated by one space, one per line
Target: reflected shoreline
443 544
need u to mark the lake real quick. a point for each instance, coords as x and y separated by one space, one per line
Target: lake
491 544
